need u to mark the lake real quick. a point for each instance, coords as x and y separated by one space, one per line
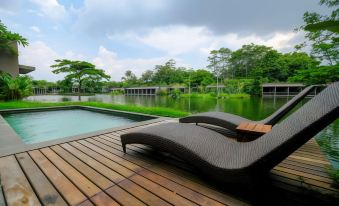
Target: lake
254 108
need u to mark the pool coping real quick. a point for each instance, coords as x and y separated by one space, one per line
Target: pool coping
11 142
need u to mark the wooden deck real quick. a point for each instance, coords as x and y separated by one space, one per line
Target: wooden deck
95 171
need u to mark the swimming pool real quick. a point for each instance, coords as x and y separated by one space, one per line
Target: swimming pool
36 127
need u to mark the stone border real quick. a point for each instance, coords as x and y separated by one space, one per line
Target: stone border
8 137
15 144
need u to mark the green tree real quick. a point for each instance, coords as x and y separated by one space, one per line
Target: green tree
130 78
14 88
224 62
214 65
320 30
147 76
255 61
65 85
79 71
319 75
7 38
295 61
168 74
201 77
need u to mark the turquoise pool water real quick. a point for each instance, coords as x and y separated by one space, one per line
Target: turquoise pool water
35 127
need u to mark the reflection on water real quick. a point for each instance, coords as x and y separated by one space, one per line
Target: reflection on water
253 108
329 141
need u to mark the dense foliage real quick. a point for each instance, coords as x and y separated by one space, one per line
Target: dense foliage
320 30
14 88
7 38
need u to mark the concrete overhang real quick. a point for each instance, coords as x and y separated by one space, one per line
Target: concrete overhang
23 69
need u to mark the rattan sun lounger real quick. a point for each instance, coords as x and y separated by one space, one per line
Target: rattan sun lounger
231 121
231 161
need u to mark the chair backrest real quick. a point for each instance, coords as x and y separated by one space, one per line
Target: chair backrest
277 115
287 136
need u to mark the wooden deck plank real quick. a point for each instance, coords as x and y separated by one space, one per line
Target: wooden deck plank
141 181
192 195
102 199
142 194
304 181
120 153
123 197
46 192
305 170
104 160
82 183
174 187
160 191
101 168
222 198
17 189
65 187
142 178
86 203
100 180
126 164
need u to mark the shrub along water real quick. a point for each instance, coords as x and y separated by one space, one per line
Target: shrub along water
159 111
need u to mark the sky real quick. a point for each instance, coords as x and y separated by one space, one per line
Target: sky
120 35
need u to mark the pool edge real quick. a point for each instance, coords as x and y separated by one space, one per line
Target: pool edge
17 145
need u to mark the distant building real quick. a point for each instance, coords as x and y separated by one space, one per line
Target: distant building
285 89
9 63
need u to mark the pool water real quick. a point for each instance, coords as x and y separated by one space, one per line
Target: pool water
35 127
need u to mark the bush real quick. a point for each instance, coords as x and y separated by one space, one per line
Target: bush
14 88
117 92
244 86
175 93
162 92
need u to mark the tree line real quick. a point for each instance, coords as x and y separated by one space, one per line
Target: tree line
248 66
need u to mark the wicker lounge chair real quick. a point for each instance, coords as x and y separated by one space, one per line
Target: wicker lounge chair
231 121
231 161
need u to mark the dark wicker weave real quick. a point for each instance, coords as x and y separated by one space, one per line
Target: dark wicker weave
232 161
231 121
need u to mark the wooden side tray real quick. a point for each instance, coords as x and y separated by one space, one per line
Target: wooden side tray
253 128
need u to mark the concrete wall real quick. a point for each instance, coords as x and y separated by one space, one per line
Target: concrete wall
9 62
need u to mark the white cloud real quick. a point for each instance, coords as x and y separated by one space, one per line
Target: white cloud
178 39
35 29
39 55
116 68
51 9
277 40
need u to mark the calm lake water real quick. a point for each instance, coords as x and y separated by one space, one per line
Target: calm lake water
254 108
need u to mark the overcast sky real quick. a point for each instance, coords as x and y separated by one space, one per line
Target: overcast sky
117 35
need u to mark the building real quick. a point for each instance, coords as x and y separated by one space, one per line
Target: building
285 89
136 91
153 90
281 89
9 63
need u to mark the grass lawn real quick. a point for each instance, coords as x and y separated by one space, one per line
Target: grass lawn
159 111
